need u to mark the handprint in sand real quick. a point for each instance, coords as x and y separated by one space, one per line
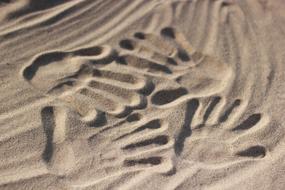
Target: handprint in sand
170 55
133 144
216 133
89 81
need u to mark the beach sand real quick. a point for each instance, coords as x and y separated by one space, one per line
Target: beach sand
142 94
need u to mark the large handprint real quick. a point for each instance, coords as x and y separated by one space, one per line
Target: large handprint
90 93
88 81
87 155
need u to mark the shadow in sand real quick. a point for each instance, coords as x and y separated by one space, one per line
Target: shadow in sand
186 131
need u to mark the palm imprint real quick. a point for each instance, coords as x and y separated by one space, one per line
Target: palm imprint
87 81
210 136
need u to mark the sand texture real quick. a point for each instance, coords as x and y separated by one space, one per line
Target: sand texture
142 94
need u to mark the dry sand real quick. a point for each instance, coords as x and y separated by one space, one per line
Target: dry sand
142 94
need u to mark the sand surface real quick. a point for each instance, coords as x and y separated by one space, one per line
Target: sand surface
142 94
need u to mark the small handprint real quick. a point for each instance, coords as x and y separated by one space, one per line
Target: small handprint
208 135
